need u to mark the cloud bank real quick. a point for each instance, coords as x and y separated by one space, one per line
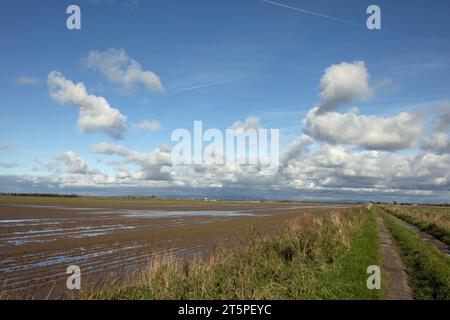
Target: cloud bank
370 132
335 155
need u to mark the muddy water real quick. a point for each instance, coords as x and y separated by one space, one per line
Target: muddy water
38 243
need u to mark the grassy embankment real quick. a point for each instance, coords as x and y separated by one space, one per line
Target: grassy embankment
314 258
427 267
432 220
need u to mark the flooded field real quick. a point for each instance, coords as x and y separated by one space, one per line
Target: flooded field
38 241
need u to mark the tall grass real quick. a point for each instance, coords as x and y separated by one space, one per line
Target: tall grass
314 257
432 220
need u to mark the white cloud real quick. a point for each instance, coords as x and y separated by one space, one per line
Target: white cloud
335 167
73 163
343 83
155 165
94 112
25 81
370 132
251 122
297 148
439 140
3 146
331 171
325 159
122 174
149 125
118 67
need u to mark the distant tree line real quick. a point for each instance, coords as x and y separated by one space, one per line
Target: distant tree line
15 194
413 204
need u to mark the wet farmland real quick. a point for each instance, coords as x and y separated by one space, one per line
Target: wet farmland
39 241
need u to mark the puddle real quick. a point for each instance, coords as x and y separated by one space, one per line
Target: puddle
208 213
64 259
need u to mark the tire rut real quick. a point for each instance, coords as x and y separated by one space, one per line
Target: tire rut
397 287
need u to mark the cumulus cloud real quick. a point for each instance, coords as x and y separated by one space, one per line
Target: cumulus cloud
438 142
155 165
297 148
370 132
73 163
346 82
149 125
343 83
25 81
442 117
251 122
332 171
3 146
336 167
95 114
337 155
118 67
329 167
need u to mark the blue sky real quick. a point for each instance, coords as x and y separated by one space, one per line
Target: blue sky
219 62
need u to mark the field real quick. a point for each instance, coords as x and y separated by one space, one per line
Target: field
180 249
109 238
315 257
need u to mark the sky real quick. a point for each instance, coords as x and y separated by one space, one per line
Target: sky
363 114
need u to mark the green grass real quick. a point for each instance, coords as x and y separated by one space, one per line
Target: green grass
348 278
314 258
427 267
432 220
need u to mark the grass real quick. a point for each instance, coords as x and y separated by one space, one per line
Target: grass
432 220
427 267
314 258
348 278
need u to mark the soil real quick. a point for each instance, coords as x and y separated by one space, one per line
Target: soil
108 240
397 287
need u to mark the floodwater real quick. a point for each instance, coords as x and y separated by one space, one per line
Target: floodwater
39 242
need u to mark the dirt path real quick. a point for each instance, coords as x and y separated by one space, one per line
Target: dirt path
397 281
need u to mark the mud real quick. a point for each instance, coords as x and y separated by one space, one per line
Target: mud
107 240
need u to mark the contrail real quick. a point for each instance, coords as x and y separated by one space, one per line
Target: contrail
204 85
313 13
